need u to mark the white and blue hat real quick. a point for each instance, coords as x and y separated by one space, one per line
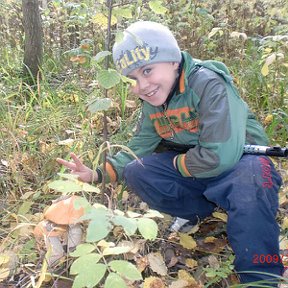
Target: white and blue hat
145 42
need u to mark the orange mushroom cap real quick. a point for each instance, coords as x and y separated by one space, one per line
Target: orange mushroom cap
64 212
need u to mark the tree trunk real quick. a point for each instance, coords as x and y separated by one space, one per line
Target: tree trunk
33 46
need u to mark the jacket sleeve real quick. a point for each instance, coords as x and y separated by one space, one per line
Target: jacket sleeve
222 126
144 142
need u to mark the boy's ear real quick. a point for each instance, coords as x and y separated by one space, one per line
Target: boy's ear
175 65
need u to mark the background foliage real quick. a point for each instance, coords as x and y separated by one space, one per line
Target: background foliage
50 118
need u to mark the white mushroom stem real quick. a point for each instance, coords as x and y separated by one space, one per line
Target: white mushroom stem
53 243
74 236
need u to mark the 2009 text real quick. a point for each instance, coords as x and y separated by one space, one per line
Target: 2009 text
267 259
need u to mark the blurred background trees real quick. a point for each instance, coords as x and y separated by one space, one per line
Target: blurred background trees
33 43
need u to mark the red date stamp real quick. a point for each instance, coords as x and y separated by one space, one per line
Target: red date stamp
268 259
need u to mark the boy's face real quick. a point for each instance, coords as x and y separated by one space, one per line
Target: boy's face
154 81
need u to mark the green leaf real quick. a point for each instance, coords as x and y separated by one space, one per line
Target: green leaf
129 225
90 188
102 20
81 202
265 70
101 55
205 13
214 31
73 52
68 176
71 185
98 229
148 228
116 250
125 269
222 274
65 186
123 12
119 37
99 104
80 264
96 213
121 213
114 281
157 7
25 207
201 11
83 249
132 214
210 274
108 78
91 277
128 80
152 214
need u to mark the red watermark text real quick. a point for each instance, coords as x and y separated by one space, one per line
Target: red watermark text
266 173
269 259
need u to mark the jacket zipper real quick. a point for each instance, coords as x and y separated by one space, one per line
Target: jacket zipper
165 106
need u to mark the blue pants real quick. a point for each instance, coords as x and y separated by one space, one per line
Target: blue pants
248 192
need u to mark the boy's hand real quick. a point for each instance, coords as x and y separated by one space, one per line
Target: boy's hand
83 172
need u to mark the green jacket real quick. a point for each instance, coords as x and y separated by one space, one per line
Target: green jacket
206 113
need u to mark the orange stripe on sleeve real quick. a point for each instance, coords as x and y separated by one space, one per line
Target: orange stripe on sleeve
111 172
182 82
182 166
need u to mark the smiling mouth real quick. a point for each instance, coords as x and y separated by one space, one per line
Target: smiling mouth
150 94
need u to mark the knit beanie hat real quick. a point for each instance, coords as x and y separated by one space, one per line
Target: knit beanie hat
145 42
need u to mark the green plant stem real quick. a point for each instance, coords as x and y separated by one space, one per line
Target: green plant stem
109 4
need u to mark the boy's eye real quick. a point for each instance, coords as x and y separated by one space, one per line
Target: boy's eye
146 71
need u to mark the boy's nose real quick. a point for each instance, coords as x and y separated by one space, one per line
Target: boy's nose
143 85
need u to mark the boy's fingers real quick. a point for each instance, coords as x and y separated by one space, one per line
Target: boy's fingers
61 161
76 165
67 164
76 159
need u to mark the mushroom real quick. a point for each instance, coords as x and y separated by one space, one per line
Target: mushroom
61 227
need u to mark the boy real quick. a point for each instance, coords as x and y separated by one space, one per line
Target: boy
193 109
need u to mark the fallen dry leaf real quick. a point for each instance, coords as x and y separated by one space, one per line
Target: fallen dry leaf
191 263
179 284
142 263
130 104
104 244
153 282
211 247
194 229
173 262
8 264
184 275
117 231
221 216
284 224
213 262
4 273
283 200
157 264
135 246
268 119
4 258
283 242
210 239
187 241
